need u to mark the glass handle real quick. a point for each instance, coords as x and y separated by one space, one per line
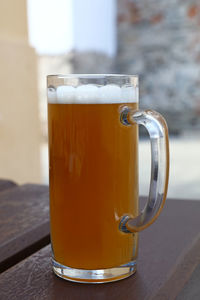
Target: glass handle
158 132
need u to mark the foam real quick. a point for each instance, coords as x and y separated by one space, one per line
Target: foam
91 93
51 95
65 94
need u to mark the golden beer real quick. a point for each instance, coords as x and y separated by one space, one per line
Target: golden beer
93 182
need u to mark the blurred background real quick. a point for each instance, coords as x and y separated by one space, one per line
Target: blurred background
158 40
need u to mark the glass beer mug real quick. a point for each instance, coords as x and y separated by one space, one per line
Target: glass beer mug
93 175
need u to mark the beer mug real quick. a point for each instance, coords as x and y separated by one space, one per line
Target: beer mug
93 175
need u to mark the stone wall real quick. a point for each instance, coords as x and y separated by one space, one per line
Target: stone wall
160 41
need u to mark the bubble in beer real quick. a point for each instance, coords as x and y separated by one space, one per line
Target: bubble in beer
128 94
87 93
51 94
65 94
110 93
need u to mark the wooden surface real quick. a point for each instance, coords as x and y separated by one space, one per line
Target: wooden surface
6 184
192 288
169 254
24 221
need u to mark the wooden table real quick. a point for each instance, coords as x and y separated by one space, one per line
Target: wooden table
168 264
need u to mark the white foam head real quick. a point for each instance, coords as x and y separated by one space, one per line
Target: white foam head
91 93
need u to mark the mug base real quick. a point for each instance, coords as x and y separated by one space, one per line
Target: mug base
94 276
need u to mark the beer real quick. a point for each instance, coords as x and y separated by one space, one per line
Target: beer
93 170
93 174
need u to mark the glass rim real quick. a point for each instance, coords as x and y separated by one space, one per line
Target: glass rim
90 76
